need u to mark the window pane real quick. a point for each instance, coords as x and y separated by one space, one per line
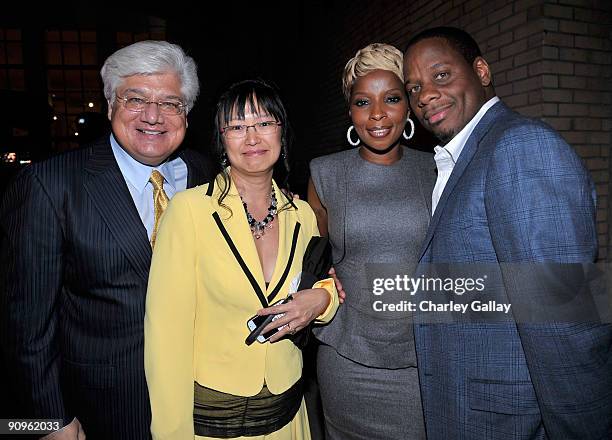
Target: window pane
54 54
53 36
89 55
13 53
13 34
71 54
88 36
73 80
55 79
16 79
70 36
91 80
59 107
74 104
58 128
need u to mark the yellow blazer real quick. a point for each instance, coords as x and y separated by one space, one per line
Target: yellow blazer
200 297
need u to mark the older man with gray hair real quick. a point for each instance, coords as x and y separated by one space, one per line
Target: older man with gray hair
76 234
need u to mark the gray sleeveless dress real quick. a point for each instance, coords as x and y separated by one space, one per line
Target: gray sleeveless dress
377 217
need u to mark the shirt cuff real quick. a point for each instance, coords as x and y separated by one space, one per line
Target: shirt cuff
329 285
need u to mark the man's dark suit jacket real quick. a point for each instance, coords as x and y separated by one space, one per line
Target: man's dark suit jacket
74 268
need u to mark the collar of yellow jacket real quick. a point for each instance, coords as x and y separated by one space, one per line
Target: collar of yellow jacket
236 226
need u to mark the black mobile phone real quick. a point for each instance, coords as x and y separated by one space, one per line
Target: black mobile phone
258 322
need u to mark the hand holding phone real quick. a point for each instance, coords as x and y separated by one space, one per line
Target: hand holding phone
258 322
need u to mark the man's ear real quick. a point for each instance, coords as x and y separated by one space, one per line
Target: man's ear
482 70
110 110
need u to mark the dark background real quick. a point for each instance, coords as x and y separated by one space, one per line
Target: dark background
287 43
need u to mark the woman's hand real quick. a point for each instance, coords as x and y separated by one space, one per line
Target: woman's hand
306 306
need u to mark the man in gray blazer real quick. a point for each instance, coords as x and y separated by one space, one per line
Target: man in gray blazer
509 190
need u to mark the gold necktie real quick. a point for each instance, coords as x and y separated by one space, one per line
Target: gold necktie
160 201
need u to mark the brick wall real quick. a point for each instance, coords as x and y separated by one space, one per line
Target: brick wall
550 60
577 88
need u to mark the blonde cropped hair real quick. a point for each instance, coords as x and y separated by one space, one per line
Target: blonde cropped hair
375 56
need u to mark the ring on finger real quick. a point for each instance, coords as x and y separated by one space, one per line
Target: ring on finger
291 330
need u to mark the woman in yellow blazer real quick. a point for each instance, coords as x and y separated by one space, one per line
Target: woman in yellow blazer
214 266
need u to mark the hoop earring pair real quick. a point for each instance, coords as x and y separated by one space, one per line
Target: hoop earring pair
406 136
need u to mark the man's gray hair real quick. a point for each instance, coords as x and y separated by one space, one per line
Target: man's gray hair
148 58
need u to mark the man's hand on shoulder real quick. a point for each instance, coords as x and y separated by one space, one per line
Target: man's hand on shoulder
339 288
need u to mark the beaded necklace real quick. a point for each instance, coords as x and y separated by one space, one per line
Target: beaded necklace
258 229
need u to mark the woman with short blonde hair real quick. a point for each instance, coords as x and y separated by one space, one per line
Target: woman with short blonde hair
374 201
375 56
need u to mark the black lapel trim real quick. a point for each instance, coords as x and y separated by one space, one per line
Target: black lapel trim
290 200
296 232
211 186
241 262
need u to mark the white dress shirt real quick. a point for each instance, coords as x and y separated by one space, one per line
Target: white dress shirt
446 156
137 176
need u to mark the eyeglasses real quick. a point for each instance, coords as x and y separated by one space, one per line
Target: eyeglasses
240 131
138 104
